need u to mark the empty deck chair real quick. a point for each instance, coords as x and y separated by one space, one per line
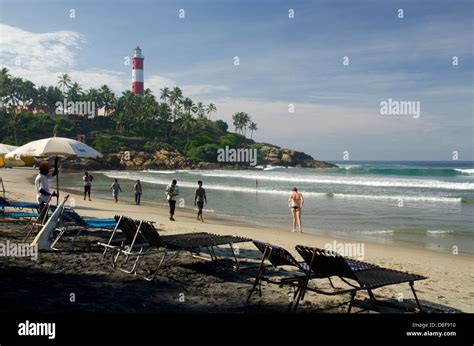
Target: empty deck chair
18 215
142 239
70 216
171 245
133 245
279 257
18 209
18 205
363 276
130 229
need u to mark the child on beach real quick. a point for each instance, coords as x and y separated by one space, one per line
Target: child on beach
172 191
87 179
199 199
115 187
296 202
138 191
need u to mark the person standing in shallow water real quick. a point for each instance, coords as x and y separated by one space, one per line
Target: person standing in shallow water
199 199
138 192
172 191
296 202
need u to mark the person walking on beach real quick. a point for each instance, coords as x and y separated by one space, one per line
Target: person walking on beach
42 189
115 187
172 191
296 202
87 179
138 192
199 199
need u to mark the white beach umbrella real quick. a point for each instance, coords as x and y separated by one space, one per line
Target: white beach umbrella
54 146
5 148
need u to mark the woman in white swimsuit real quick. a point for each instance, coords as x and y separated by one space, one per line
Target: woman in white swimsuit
296 202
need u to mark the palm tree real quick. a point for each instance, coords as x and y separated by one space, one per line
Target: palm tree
147 110
165 94
127 110
93 95
164 113
4 73
27 93
252 127
75 92
236 121
13 98
200 109
187 125
107 98
241 120
64 82
5 82
210 109
176 97
245 122
47 98
189 106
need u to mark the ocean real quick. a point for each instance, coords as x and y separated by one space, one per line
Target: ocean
420 204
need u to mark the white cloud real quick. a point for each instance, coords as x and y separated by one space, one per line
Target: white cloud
94 78
35 51
202 89
42 57
313 125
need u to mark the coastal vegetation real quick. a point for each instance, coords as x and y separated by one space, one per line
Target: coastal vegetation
127 122
146 124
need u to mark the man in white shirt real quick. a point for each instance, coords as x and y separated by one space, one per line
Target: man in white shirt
42 187
172 191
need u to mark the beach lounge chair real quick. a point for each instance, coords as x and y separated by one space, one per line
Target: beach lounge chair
280 257
130 229
134 243
171 245
359 276
18 215
71 217
18 209
18 205
142 239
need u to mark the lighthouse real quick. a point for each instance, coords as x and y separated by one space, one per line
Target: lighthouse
137 71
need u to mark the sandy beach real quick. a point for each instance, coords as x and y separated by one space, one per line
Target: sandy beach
449 287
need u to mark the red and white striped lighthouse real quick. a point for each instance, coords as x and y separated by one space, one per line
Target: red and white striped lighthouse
137 71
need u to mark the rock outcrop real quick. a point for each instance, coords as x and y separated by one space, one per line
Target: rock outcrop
275 156
170 158
133 160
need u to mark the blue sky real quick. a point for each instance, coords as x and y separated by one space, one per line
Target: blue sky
282 61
